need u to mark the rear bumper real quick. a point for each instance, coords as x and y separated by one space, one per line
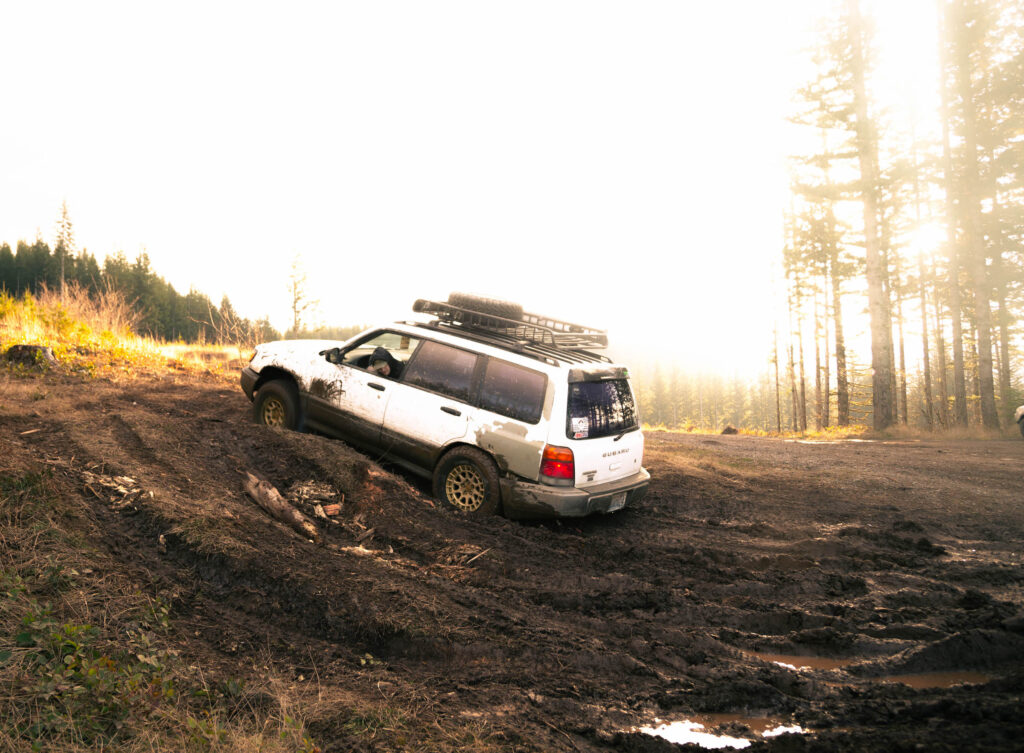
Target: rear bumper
525 499
248 380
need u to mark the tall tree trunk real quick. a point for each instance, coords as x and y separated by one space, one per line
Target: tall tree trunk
842 381
803 379
973 240
1005 382
959 382
940 347
867 153
778 396
826 378
929 409
832 267
1003 317
818 409
893 384
973 398
902 368
792 371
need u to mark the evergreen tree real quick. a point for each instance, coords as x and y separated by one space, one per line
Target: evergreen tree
65 243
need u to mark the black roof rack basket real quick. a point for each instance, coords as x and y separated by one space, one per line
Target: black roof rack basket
531 328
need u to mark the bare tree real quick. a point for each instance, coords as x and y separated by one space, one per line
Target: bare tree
65 242
299 292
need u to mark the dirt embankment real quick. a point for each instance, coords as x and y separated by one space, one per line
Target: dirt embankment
888 558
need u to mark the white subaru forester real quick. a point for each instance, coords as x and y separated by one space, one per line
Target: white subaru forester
506 411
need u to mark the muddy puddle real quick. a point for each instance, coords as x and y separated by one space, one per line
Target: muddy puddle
801 662
918 680
927 680
707 730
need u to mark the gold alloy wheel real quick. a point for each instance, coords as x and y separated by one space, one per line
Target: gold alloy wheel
272 413
464 488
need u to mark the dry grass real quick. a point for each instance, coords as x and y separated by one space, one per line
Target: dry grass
973 432
88 335
833 432
213 358
837 433
94 336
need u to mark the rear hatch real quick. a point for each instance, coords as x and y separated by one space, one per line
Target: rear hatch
602 425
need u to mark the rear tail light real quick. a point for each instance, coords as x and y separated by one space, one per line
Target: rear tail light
557 464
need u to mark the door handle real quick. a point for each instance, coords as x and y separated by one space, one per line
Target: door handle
452 411
378 387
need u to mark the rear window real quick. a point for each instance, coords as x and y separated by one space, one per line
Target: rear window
513 391
600 409
443 369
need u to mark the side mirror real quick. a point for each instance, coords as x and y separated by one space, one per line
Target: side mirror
333 355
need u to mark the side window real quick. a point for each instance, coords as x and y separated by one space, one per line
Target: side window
399 348
443 369
513 391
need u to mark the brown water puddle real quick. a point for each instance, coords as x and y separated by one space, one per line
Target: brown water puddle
917 680
801 662
926 680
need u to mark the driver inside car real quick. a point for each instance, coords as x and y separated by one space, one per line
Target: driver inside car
385 364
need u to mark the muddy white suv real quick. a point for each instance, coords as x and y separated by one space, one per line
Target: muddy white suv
505 410
1018 416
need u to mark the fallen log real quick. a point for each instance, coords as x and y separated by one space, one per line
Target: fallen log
266 496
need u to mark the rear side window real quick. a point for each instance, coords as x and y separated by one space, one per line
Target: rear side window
513 391
443 369
600 409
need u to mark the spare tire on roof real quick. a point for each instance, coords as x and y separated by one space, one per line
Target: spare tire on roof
492 306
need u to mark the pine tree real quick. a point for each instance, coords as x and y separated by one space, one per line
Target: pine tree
65 242
867 153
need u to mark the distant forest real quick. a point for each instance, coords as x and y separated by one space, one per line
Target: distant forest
916 224
162 312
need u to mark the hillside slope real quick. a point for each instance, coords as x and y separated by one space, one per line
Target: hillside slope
407 627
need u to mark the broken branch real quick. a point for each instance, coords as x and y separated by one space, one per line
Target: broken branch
270 499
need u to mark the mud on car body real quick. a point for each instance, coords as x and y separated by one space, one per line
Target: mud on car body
504 410
1018 416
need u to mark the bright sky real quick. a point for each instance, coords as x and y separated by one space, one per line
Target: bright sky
617 164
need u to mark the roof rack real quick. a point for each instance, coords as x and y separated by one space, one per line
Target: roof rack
531 329
551 356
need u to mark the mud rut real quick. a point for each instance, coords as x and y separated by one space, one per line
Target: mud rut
897 558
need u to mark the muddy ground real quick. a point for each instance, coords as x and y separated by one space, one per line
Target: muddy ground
892 558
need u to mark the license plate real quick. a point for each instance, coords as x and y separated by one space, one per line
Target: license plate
618 502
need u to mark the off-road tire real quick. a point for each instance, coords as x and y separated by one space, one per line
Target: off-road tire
466 481
277 404
493 306
1021 425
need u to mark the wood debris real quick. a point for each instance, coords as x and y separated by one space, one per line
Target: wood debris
120 492
270 499
317 499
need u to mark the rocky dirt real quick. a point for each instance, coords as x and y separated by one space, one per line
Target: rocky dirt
868 560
